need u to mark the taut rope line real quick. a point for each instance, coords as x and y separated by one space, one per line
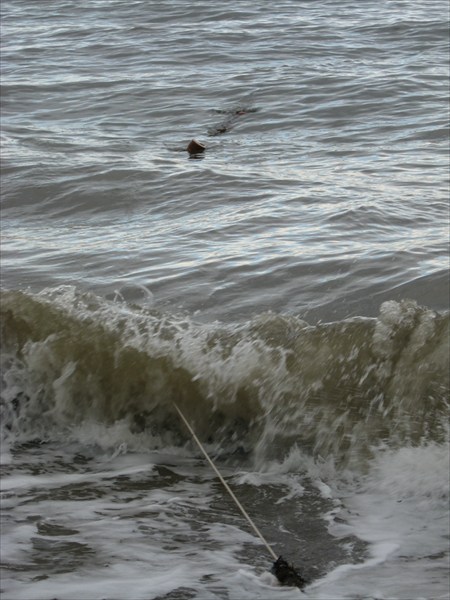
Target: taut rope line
225 484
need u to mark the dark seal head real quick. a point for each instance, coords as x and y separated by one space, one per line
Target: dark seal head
195 147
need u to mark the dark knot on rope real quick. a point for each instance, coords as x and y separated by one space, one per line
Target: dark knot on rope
286 574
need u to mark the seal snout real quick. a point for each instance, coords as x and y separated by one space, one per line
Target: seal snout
195 147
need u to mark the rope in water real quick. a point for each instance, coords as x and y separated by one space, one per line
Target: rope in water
225 484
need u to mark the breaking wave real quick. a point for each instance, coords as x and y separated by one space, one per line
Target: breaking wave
264 387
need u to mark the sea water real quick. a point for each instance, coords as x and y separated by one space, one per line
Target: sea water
287 288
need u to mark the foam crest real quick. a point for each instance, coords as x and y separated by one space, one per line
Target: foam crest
268 385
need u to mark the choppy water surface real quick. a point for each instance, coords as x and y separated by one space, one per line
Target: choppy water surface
288 288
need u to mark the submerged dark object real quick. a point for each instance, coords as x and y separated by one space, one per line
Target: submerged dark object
229 122
286 574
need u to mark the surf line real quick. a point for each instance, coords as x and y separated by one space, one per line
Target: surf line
283 571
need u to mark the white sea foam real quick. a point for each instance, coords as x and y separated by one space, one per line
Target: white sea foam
401 509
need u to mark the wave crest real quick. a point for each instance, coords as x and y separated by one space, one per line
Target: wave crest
265 385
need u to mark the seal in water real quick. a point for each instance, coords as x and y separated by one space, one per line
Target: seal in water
195 147
230 120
